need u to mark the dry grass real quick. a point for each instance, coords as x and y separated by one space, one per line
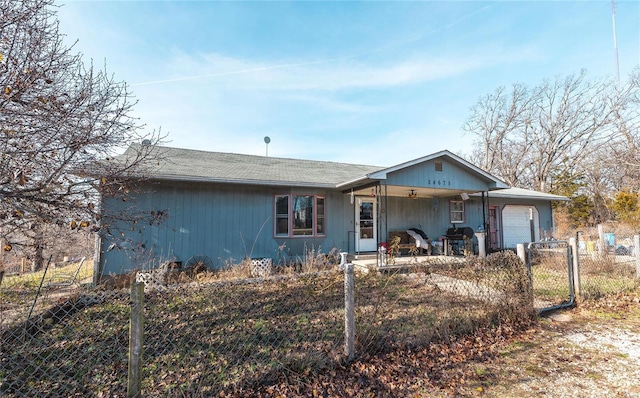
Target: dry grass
32 280
27 294
604 275
237 336
282 336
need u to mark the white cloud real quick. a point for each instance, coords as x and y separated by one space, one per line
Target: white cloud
229 104
380 106
329 74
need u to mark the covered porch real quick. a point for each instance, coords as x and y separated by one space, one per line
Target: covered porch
429 222
441 197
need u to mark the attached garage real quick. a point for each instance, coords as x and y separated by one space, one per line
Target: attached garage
511 212
517 222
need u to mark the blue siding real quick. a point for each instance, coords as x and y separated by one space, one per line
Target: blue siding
225 222
230 222
451 177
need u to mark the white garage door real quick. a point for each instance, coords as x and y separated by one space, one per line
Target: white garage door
516 225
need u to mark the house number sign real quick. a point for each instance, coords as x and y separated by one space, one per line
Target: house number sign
442 183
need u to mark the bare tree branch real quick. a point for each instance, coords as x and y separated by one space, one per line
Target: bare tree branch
529 135
60 120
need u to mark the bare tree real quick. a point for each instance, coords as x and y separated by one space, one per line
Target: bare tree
529 135
493 119
625 170
60 121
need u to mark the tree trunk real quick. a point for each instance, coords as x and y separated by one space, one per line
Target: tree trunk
38 258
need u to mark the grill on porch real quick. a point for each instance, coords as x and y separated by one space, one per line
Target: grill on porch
455 238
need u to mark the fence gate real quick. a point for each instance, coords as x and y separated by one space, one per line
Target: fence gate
550 267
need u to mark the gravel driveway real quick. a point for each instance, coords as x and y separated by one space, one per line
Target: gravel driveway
586 352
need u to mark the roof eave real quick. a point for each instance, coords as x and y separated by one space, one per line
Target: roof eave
539 196
382 174
354 182
500 185
178 178
554 199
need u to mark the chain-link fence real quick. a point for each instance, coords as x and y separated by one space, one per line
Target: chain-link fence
609 259
210 335
608 266
437 298
585 269
74 345
551 267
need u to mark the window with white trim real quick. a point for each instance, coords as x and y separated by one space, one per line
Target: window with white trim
320 215
299 215
456 211
282 215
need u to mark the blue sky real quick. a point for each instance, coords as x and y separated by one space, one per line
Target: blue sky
375 82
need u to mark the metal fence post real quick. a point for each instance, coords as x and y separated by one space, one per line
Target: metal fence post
136 337
521 253
575 255
349 312
636 250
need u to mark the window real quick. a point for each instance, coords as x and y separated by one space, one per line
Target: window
456 211
302 215
282 215
438 166
320 216
299 215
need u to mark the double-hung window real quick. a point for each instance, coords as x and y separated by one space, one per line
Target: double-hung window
282 216
299 215
456 211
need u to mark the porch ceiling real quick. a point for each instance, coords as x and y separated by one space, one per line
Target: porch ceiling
403 191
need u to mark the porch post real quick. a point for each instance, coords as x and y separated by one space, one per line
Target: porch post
482 251
485 226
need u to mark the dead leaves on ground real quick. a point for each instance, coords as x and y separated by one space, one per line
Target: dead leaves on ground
440 369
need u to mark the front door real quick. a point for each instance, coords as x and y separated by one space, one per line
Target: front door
366 236
494 228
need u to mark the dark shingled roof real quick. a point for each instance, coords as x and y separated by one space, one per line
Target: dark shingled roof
194 165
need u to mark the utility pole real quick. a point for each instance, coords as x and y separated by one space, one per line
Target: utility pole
615 41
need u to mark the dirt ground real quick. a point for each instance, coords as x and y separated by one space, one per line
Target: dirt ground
592 350
589 351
